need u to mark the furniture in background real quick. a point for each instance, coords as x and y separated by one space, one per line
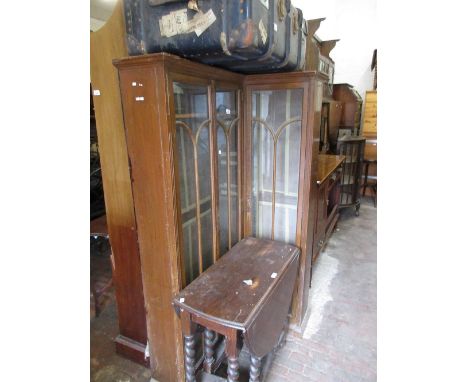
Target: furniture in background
374 68
369 131
351 103
244 298
215 156
106 44
100 285
335 111
372 184
318 59
328 199
352 148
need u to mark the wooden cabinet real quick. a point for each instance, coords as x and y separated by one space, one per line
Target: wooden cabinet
282 119
328 199
183 134
215 156
369 126
352 105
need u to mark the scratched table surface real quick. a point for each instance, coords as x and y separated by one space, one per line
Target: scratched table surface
234 289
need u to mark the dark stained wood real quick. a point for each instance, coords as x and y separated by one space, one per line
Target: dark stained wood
335 112
208 337
352 106
247 292
106 44
152 150
154 197
131 349
220 294
153 156
312 84
326 217
265 333
99 226
327 164
255 365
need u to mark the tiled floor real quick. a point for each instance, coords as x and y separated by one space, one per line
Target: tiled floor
339 342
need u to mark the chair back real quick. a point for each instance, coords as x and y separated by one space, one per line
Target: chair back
352 148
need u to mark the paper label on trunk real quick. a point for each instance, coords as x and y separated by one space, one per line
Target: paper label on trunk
201 22
263 31
265 3
177 22
174 23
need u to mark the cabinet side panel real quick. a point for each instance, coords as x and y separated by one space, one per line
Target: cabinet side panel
150 148
309 203
106 44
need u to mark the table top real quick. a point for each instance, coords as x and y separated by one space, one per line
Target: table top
326 165
234 289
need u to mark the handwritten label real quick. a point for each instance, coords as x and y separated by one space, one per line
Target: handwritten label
263 31
202 21
176 23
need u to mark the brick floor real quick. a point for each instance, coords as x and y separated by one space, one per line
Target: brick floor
340 341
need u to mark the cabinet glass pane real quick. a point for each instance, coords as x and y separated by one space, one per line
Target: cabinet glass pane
227 124
276 146
193 145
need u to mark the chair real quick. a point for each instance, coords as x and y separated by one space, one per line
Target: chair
352 147
372 182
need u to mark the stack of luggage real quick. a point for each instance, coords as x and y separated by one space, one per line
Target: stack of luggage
245 36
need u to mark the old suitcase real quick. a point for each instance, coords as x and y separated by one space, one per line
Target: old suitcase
217 32
294 58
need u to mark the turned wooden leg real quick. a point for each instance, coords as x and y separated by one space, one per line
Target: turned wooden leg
209 338
233 369
255 364
232 353
188 330
189 351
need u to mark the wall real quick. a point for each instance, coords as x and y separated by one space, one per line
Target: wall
354 22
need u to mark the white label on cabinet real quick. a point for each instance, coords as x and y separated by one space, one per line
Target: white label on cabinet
139 99
97 92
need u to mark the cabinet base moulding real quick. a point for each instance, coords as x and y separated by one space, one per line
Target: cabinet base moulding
131 349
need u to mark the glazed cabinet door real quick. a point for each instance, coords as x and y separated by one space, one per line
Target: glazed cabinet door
206 124
276 128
